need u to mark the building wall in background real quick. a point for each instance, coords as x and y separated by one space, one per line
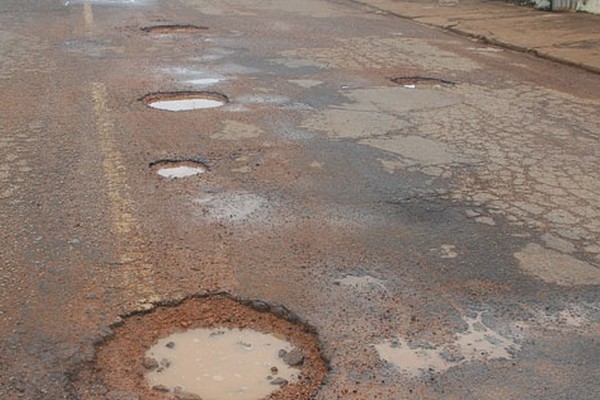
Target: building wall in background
590 6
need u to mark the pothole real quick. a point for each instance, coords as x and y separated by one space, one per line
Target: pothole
415 82
204 81
221 363
177 169
169 29
210 347
185 101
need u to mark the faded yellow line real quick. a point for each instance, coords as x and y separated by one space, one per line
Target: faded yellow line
88 16
114 169
137 273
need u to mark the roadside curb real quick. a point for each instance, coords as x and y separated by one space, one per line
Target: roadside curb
485 38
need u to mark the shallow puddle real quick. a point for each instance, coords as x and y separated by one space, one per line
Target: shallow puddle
180 172
185 104
204 81
220 364
185 101
478 342
178 169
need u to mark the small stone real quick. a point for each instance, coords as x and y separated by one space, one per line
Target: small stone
472 213
122 395
486 220
165 363
279 382
160 388
181 395
260 305
150 363
293 358
170 345
274 370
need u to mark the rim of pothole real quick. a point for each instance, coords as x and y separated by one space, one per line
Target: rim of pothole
168 29
118 365
161 100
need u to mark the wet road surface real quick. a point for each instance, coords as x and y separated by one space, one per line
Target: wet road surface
439 238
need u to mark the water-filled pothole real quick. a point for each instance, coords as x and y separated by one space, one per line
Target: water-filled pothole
414 82
211 347
177 169
168 29
204 81
185 101
221 363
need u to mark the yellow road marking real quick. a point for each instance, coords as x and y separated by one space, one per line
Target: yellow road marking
88 16
137 274
118 190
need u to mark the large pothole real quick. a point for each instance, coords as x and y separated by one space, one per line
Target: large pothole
210 348
178 169
185 101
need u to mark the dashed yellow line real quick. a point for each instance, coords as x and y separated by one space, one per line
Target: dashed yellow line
88 16
114 169
137 274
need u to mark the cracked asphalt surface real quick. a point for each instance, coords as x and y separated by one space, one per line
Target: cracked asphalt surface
441 240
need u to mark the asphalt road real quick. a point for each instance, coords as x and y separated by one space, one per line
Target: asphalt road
439 239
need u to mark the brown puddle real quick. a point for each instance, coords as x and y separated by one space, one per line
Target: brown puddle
230 337
220 364
479 342
177 169
185 101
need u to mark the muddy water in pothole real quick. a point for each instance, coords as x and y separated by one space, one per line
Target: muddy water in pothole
180 172
220 364
204 81
185 104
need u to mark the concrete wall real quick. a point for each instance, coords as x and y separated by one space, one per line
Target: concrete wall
591 6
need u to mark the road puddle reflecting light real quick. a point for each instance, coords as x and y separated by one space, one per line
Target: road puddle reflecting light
220 364
204 81
179 172
174 169
478 343
185 101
